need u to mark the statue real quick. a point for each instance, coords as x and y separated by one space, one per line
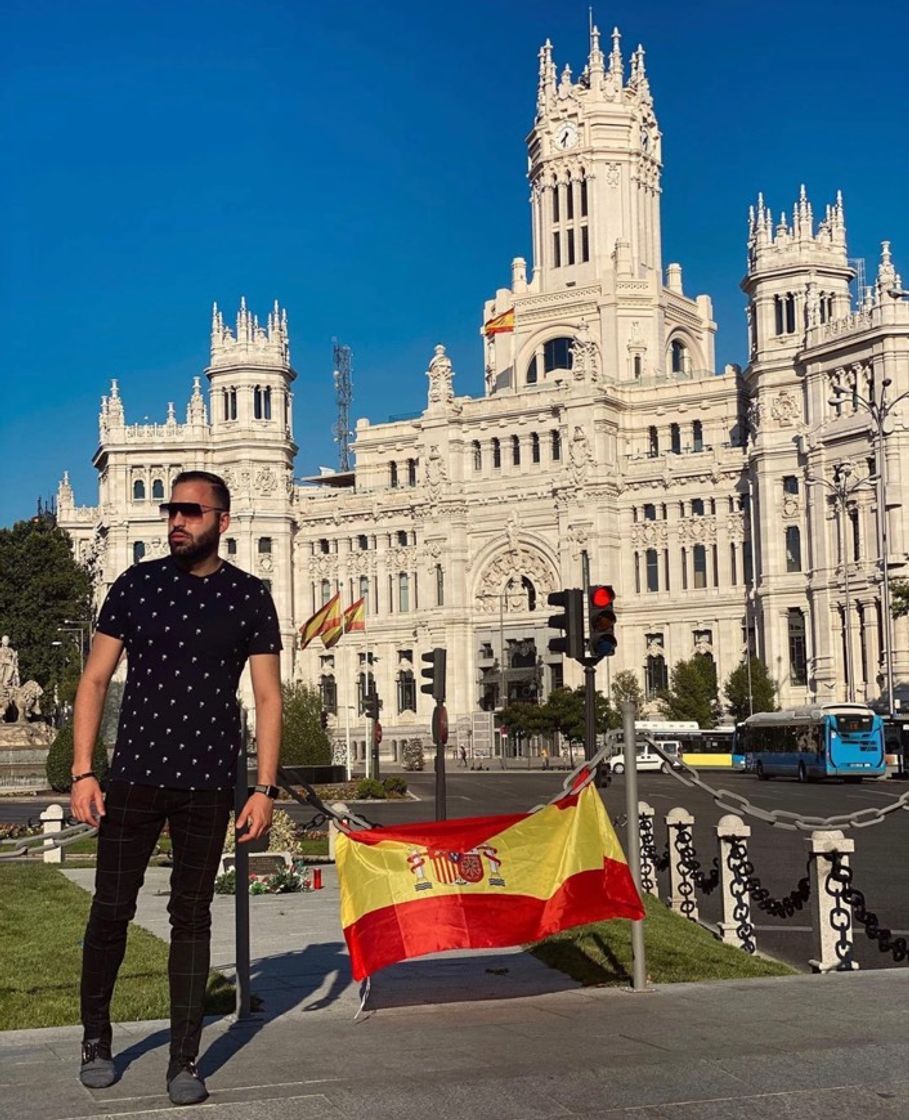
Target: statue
9 664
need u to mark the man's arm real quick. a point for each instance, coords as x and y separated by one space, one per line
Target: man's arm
86 799
265 671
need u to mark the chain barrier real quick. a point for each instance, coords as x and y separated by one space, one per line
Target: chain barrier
841 873
43 842
784 907
779 818
839 876
738 887
660 860
707 883
347 822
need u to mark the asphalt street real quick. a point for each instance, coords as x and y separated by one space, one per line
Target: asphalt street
779 856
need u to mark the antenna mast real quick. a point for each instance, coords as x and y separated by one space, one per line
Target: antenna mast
343 362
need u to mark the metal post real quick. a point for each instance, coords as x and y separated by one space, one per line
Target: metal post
441 802
883 540
590 711
639 967
847 618
241 897
347 738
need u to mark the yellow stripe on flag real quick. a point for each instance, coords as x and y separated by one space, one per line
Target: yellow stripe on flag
355 616
314 626
480 882
333 627
500 324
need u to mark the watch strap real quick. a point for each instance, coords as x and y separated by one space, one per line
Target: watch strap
269 791
88 774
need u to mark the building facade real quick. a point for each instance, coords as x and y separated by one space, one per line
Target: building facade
606 447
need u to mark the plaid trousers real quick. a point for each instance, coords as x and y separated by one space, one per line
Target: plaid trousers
127 836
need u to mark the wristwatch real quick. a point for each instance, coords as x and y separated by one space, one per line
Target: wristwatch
269 791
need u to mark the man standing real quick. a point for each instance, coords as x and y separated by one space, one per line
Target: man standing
188 624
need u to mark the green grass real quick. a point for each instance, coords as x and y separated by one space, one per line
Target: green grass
42 921
312 847
676 948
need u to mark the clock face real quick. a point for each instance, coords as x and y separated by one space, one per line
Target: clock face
566 137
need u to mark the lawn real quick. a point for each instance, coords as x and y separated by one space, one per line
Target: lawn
42 921
676 949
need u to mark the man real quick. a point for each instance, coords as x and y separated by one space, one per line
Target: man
188 623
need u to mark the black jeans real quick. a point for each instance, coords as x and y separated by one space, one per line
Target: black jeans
134 818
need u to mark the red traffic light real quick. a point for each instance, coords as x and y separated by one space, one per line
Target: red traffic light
602 596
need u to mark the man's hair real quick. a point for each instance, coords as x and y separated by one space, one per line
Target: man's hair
215 481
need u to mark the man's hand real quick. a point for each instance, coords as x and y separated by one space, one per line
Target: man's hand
255 819
87 801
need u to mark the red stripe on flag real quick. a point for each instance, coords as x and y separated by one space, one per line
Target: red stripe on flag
489 920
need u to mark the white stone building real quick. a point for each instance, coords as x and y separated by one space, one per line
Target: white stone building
606 445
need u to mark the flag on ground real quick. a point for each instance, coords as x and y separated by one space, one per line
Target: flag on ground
314 626
355 616
333 627
481 882
501 324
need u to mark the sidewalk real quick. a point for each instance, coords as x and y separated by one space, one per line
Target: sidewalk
485 1036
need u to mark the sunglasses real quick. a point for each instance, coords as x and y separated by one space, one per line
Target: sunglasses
192 511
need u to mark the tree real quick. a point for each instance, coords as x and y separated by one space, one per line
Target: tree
41 586
763 690
899 597
303 742
564 712
692 693
59 762
625 687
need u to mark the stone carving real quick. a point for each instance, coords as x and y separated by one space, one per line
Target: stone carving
440 378
655 645
790 506
584 355
580 456
511 531
9 664
697 530
266 480
735 526
812 305
25 697
613 174
703 642
266 564
649 534
784 409
754 416
436 474
509 569
578 536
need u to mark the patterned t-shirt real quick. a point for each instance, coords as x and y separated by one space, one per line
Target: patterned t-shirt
187 639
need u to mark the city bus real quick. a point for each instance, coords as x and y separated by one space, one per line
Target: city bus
701 747
822 741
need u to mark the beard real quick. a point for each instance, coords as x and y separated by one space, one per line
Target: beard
187 549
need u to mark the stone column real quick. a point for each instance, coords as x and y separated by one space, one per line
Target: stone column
735 927
682 887
831 917
52 822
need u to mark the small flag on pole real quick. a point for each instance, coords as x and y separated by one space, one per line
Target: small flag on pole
355 616
333 627
314 626
501 324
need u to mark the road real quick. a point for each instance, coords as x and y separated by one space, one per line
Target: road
779 856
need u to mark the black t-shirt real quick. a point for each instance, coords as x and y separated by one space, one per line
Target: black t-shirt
187 639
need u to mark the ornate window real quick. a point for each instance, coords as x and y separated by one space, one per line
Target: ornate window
496 453
138 551
675 439
697 435
790 484
231 546
407 691
699 553
534 447
328 691
653 441
363 542
532 371
411 472
649 512
793 548
158 489
516 451
138 490
477 455
393 475
264 546
697 507
653 569
325 590
403 591
798 656
364 587
556 445
679 359
557 354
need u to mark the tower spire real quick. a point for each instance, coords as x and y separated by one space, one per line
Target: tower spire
546 87
616 65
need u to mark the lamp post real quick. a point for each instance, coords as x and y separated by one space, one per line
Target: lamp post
78 633
879 408
842 490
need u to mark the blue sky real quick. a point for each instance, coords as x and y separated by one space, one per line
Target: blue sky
365 164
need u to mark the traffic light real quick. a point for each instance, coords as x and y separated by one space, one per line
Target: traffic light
371 704
434 674
572 622
601 620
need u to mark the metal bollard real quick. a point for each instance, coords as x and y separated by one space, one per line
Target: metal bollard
682 887
735 928
317 878
831 917
649 882
52 821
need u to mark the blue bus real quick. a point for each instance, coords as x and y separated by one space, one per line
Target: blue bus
823 741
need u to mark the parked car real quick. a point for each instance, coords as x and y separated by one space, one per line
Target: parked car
648 759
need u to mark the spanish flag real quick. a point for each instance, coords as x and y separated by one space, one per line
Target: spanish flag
481 882
314 626
355 616
501 324
333 627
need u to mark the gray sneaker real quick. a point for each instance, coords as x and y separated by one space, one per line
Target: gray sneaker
97 1070
184 1085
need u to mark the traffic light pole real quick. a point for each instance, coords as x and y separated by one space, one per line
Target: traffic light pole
590 709
632 815
440 738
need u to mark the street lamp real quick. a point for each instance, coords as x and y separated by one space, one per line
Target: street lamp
77 633
879 408
842 490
